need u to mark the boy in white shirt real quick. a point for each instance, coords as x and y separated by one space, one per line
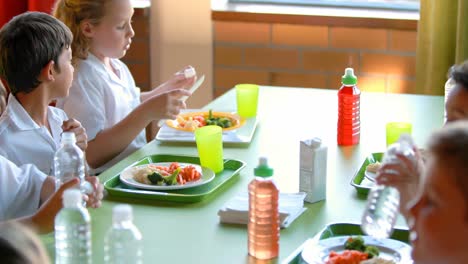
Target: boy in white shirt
104 96
25 189
35 64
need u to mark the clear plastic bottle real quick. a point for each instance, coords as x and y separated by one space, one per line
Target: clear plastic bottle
69 163
349 122
123 241
264 225
72 231
383 202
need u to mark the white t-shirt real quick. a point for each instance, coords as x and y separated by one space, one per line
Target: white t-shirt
99 99
23 141
20 189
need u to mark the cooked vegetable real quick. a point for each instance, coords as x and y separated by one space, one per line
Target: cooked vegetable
372 251
223 122
156 178
172 179
347 256
356 243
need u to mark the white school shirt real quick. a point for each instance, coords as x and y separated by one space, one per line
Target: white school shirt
99 99
20 189
23 141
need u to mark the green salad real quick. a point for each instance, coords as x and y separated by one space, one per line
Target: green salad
223 122
357 243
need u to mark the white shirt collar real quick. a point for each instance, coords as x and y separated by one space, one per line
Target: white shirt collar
113 63
18 115
23 120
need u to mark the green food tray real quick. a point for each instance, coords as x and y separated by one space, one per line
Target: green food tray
342 229
359 177
190 195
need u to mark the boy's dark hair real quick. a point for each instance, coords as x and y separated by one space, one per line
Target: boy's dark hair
27 43
459 73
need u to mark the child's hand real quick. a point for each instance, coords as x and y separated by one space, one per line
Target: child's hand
178 81
74 126
94 199
405 175
166 105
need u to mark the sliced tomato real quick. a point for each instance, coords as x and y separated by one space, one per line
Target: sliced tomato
200 119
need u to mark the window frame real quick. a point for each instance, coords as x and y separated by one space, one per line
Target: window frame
338 3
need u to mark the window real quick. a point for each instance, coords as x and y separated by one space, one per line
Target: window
409 5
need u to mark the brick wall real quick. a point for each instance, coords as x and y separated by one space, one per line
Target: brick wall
138 56
313 56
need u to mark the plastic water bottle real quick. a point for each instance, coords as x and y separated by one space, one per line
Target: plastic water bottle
69 163
122 243
72 231
383 202
349 122
264 225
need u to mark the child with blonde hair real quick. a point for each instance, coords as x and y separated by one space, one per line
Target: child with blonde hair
103 94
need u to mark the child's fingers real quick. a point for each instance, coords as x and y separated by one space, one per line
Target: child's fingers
70 124
67 185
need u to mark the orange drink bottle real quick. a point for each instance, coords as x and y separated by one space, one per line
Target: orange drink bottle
264 225
349 123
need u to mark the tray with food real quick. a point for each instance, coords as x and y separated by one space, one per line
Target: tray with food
171 178
235 128
363 179
345 243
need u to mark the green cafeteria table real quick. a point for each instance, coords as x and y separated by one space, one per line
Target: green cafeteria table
191 232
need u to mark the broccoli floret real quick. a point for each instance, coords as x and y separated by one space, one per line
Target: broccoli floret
356 243
224 122
372 251
155 178
172 179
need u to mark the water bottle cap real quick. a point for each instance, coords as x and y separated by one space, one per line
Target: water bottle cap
122 212
68 137
71 198
349 78
263 170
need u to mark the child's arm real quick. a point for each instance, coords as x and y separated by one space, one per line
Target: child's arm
44 218
110 142
51 202
178 81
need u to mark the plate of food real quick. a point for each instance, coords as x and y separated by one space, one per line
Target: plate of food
356 249
190 121
166 176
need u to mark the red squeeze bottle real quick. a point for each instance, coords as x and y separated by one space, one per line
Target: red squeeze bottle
349 122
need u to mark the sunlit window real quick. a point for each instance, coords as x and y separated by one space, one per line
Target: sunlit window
411 5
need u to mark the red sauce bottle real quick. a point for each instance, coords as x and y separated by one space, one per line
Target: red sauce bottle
349 122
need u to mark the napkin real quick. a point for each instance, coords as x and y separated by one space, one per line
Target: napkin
236 210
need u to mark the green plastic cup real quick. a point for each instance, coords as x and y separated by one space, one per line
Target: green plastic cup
395 129
247 100
209 141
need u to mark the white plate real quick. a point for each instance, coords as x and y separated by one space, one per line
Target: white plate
317 252
370 175
127 177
